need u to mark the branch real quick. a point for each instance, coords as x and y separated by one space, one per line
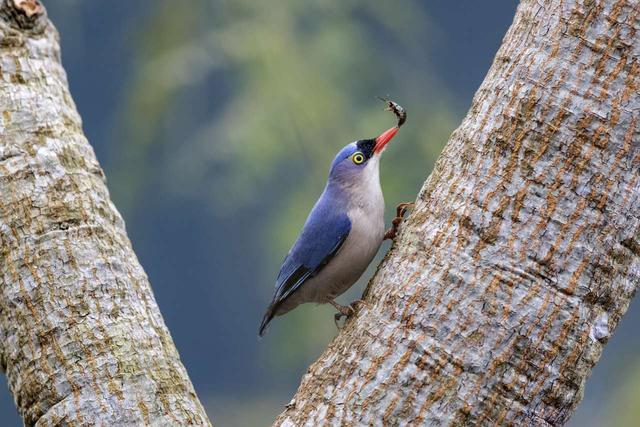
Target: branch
81 338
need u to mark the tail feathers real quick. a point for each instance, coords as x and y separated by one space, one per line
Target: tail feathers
266 320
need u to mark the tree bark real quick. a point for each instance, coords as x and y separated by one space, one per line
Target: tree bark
81 338
523 250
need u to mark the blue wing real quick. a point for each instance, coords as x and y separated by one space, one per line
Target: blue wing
321 238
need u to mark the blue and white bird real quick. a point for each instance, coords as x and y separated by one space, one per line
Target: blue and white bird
342 233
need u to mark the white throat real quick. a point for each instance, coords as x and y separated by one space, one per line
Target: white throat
365 192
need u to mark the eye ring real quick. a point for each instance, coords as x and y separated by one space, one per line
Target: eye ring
358 158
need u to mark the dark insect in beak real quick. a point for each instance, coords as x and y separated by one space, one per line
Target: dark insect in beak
386 136
397 109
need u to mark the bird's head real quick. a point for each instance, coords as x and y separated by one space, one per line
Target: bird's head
359 160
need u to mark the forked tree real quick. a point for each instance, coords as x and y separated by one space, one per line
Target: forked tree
521 255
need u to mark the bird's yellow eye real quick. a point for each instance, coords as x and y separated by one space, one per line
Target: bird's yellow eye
358 158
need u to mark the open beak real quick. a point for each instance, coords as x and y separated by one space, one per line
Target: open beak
384 138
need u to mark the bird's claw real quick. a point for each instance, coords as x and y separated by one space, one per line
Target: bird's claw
336 319
401 211
344 311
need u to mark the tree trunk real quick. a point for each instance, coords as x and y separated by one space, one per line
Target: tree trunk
523 250
81 338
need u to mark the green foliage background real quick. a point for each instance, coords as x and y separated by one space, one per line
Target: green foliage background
288 83
216 121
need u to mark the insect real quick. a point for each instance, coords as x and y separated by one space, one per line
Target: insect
397 109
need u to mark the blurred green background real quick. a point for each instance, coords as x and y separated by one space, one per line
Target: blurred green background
215 122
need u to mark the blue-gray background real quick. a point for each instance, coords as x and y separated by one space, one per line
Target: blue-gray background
215 122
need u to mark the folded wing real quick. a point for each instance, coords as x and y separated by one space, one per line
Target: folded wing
320 240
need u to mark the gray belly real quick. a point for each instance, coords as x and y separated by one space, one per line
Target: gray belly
355 255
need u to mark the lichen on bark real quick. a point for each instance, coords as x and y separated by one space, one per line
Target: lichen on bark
82 340
522 252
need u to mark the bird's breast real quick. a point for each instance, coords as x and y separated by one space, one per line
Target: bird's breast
367 227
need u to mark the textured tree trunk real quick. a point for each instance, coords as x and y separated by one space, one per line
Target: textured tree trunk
523 250
81 338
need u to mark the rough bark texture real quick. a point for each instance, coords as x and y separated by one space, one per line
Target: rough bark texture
81 338
523 251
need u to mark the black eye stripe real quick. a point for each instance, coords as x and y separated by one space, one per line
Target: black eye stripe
365 146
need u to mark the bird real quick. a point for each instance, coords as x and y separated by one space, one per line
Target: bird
343 232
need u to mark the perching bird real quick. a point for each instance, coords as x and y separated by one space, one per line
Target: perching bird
342 233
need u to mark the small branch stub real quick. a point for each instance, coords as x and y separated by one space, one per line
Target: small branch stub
28 15
29 7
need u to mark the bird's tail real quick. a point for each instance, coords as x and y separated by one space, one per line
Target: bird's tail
265 320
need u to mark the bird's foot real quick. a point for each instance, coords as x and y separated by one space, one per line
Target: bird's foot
401 211
344 310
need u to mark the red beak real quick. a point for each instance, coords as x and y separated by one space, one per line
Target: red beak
385 137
